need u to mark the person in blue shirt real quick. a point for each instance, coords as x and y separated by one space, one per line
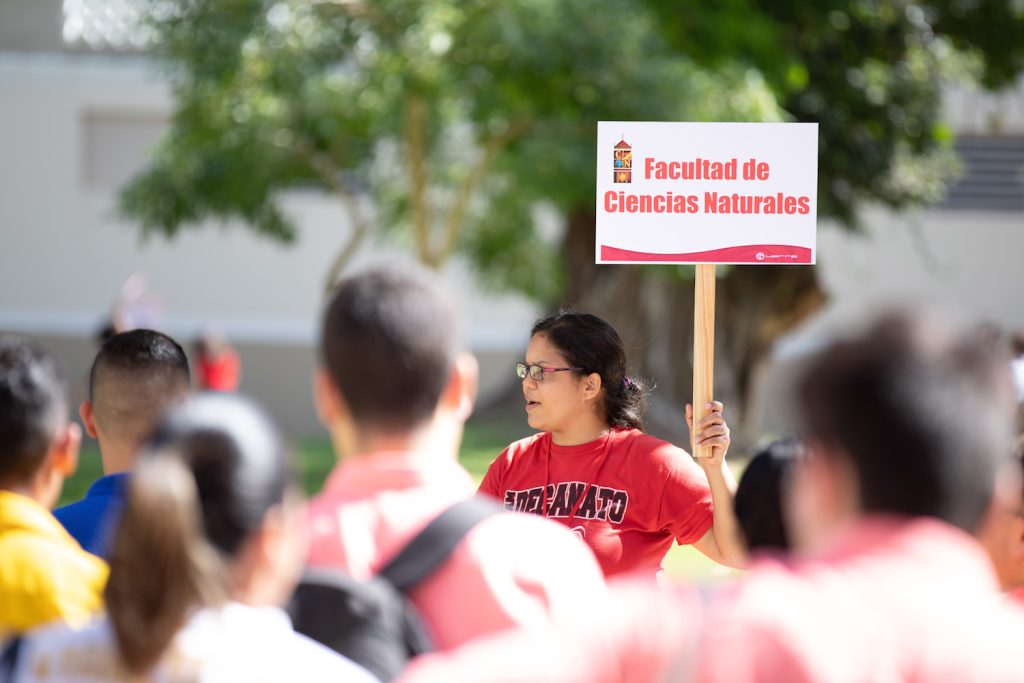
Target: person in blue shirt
135 378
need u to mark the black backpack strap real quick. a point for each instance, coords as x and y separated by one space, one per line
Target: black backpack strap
9 660
431 547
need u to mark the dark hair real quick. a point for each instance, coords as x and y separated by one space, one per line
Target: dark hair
33 407
590 343
141 352
389 343
758 501
924 415
204 484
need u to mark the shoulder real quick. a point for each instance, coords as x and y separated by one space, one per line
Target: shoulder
240 642
71 511
526 536
47 564
528 564
638 441
92 510
322 663
528 444
85 520
51 646
654 450
522 449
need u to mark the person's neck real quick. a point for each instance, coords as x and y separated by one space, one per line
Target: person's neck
580 434
433 439
38 489
116 458
25 490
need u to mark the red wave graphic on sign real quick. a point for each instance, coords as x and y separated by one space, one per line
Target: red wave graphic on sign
750 253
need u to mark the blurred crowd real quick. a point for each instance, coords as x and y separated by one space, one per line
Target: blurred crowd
882 540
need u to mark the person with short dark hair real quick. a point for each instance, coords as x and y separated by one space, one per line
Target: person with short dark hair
759 496
134 378
906 427
209 546
628 495
394 390
44 574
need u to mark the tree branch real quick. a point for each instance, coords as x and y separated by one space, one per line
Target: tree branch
457 214
327 171
415 121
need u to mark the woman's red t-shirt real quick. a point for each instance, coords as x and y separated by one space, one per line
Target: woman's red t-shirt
627 495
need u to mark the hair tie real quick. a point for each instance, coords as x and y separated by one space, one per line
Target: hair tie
627 382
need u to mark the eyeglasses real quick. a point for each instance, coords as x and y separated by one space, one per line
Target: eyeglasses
536 372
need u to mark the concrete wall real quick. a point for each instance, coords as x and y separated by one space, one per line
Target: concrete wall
72 129
31 25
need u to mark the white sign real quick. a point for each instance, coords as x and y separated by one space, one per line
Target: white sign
706 192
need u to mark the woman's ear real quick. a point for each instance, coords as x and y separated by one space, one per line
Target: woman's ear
592 385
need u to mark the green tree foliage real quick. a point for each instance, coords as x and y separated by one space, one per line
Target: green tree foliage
455 124
461 117
870 72
458 119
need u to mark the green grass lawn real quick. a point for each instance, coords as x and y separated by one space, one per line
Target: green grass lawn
481 444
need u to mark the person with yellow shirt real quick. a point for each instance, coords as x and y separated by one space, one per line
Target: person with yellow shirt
44 574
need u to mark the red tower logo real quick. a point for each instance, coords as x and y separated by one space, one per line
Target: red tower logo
623 161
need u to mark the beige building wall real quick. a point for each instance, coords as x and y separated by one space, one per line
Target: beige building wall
73 128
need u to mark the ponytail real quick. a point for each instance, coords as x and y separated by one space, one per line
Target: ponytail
161 566
625 403
203 485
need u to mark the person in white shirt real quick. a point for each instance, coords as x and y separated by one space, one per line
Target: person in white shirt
210 544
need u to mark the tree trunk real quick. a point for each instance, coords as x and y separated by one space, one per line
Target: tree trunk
653 313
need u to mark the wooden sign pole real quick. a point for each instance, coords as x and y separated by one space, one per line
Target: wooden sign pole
703 344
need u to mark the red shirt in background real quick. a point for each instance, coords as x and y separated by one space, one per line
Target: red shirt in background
221 372
627 494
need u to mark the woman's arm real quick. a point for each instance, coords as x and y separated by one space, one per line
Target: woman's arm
723 541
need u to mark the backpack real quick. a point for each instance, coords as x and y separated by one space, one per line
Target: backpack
373 622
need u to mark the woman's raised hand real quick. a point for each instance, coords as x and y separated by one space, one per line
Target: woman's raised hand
712 435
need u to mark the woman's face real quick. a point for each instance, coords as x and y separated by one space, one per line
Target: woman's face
559 403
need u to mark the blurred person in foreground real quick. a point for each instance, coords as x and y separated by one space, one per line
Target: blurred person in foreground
134 378
44 574
1002 534
759 496
209 545
394 390
907 429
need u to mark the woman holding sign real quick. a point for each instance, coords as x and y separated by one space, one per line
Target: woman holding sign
626 494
